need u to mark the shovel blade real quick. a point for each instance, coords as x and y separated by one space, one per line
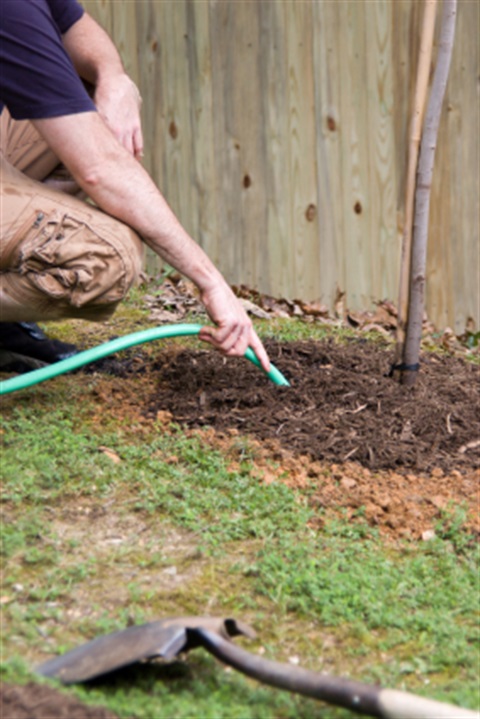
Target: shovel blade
164 638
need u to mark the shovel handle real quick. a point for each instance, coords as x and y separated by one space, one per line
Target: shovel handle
353 695
340 692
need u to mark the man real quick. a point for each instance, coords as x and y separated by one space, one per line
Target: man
61 256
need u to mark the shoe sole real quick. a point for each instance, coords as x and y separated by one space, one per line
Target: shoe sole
7 358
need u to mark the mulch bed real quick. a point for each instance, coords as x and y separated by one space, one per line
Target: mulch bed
341 406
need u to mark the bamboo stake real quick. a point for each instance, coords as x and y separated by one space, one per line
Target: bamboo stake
420 101
423 191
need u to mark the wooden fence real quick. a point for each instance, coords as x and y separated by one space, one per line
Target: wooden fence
278 132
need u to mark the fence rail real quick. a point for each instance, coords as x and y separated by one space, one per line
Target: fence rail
278 132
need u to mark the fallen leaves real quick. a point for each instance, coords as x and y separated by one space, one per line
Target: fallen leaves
111 454
178 298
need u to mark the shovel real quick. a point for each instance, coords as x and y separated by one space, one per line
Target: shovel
165 639
169 637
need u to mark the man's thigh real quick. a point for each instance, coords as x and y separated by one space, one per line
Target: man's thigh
60 256
24 148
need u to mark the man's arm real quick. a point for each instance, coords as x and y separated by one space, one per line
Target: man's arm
111 176
117 98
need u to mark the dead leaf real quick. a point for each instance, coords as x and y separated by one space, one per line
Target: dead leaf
316 309
164 316
110 453
254 309
340 304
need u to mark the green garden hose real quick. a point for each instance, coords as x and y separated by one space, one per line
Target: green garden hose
121 343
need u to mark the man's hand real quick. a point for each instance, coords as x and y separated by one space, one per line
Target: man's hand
118 101
98 62
234 330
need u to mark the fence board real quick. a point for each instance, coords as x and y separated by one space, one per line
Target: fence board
274 90
202 134
287 153
453 280
299 148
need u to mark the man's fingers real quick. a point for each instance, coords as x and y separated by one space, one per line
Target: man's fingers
260 351
223 338
235 344
127 142
138 143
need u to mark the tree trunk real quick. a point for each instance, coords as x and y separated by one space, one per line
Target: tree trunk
420 101
422 196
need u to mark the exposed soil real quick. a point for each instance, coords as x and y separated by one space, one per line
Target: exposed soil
37 701
401 458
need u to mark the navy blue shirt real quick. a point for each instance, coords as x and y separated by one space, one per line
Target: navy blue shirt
37 77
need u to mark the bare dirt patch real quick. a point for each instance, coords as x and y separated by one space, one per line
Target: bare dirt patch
401 458
118 540
37 701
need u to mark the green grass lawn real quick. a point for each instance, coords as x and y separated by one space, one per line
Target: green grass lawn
164 524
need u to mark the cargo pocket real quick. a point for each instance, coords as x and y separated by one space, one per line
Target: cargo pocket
67 260
64 258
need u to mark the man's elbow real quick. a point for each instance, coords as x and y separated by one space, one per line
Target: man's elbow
90 179
96 174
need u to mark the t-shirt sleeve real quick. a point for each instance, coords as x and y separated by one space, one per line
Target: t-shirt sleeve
65 13
37 77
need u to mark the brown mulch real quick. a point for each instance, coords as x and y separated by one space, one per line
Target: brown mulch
39 701
340 407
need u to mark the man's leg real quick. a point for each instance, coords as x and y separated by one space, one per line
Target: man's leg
60 257
23 346
25 149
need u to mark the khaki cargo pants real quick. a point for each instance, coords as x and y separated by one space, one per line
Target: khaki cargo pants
59 256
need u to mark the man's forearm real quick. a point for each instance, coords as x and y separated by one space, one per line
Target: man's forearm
123 189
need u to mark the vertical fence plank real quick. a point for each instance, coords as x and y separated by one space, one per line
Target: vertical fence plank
329 128
239 146
178 181
381 235
349 84
200 97
453 271
151 48
300 150
274 94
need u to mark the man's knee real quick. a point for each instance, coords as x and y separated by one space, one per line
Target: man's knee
72 261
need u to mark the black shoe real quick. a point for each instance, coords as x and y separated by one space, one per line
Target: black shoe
23 347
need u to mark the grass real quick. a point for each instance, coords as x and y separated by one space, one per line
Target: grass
177 527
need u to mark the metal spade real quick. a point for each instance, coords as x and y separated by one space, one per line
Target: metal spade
165 638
